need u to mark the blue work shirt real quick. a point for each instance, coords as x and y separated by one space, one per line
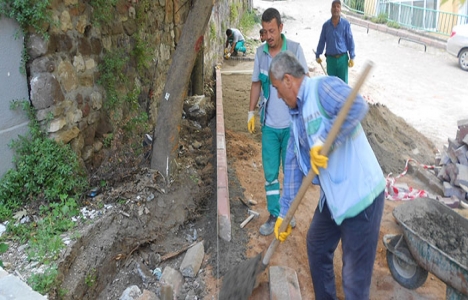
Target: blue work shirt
331 94
338 40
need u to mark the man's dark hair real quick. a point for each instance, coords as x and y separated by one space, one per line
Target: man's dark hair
270 14
228 32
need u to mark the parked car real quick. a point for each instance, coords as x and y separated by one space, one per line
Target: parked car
457 45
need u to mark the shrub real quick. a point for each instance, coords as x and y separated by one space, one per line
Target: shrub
44 170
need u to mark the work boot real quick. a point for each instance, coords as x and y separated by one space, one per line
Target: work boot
269 226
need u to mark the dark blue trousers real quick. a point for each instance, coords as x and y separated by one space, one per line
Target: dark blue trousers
359 236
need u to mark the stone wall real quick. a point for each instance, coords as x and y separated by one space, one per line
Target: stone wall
63 70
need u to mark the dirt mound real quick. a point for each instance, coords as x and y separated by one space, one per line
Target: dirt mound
394 141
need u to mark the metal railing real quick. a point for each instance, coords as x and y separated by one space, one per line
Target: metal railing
409 16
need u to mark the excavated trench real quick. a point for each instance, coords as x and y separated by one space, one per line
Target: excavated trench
146 223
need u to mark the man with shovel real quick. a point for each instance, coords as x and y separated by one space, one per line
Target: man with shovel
350 178
336 35
274 116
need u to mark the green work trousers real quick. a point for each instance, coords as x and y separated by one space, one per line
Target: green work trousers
338 67
274 144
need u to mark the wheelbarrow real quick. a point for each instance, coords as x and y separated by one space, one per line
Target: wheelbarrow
412 255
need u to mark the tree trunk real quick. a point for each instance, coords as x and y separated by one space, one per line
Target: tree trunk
197 77
166 133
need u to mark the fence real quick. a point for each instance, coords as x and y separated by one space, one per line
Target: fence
419 16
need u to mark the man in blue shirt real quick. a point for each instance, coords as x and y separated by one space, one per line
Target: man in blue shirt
336 35
274 115
351 181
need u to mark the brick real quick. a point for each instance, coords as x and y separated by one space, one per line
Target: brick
462 131
452 145
465 139
450 190
452 202
192 260
444 158
462 176
460 152
452 172
284 284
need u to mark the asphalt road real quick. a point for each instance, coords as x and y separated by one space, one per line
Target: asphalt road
426 88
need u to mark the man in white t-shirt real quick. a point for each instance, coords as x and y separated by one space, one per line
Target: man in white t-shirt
236 40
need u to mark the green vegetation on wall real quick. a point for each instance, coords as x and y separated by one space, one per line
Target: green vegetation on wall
103 11
234 12
36 14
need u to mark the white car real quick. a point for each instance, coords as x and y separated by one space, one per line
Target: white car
457 45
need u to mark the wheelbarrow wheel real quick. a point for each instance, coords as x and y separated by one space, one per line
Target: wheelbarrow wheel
407 275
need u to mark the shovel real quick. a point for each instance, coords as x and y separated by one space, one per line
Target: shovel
323 69
240 281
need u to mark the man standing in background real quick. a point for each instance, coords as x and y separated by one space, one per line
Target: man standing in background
336 35
274 113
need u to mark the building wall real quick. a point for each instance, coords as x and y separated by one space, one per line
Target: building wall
63 70
13 86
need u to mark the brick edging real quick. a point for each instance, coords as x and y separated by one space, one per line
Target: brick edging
222 189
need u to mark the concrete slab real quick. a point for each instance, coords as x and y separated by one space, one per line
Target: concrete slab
11 287
284 284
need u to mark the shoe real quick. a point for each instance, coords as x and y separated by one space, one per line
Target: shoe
245 53
293 222
269 226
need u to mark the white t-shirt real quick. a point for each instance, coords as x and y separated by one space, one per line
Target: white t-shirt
237 35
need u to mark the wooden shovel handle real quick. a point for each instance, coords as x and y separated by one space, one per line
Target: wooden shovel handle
325 149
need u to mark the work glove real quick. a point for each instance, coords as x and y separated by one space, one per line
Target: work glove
319 60
281 236
317 160
251 121
350 63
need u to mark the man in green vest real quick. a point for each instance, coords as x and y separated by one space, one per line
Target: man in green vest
274 114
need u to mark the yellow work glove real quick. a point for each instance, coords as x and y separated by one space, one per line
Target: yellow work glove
319 60
281 236
350 63
251 121
317 160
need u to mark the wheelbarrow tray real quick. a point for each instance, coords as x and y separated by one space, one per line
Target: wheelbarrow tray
427 255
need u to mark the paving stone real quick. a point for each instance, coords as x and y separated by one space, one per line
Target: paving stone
460 152
452 202
192 260
462 131
450 190
284 284
462 176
